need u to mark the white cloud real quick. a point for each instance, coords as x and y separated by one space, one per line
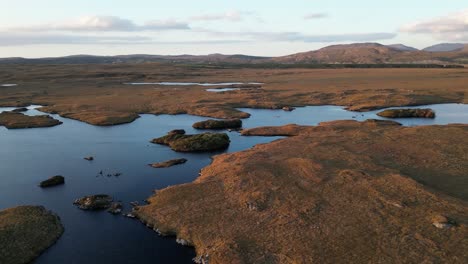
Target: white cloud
302 37
451 27
26 38
105 23
315 16
233 16
42 38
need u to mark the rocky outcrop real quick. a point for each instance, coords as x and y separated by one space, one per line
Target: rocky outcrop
169 163
53 181
218 124
177 132
115 208
13 120
26 232
94 202
443 222
194 143
19 110
288 108
407 113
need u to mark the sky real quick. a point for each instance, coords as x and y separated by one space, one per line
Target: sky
48 28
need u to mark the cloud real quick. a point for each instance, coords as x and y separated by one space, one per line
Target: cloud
315 16
233 16
105 23
452 27
20 39
301 37
26 38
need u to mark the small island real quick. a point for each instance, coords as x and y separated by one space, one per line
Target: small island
407 113
26 232
178 141
16 120
169 163
94 202
53 181
218 124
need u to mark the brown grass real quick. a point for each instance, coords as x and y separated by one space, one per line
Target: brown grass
96 93
14 120
342 191
25 232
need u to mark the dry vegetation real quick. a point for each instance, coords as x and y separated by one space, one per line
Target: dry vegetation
371 192
15 120
96 93
25 232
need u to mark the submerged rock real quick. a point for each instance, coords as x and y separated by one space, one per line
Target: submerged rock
168 163
27 231
288 108
19 110
130 215
177 132
53 181
218 124
407 113
195 143
94 202
115 208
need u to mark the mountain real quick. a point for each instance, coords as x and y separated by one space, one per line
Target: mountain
358 53
138 58
402 47
375 53
445 47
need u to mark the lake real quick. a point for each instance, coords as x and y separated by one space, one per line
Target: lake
28 156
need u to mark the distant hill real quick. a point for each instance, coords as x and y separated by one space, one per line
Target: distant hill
402 47
373 53
138 58
357 53
445 47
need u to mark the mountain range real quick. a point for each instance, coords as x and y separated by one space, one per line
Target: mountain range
357 53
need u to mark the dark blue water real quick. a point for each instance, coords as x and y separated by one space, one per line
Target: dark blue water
28 156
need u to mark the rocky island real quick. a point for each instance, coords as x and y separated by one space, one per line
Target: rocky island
94 202
53 181
16 120
169 163
219 124
25 232
179 141
371 191
407 113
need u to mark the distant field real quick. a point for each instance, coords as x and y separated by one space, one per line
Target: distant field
96 93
